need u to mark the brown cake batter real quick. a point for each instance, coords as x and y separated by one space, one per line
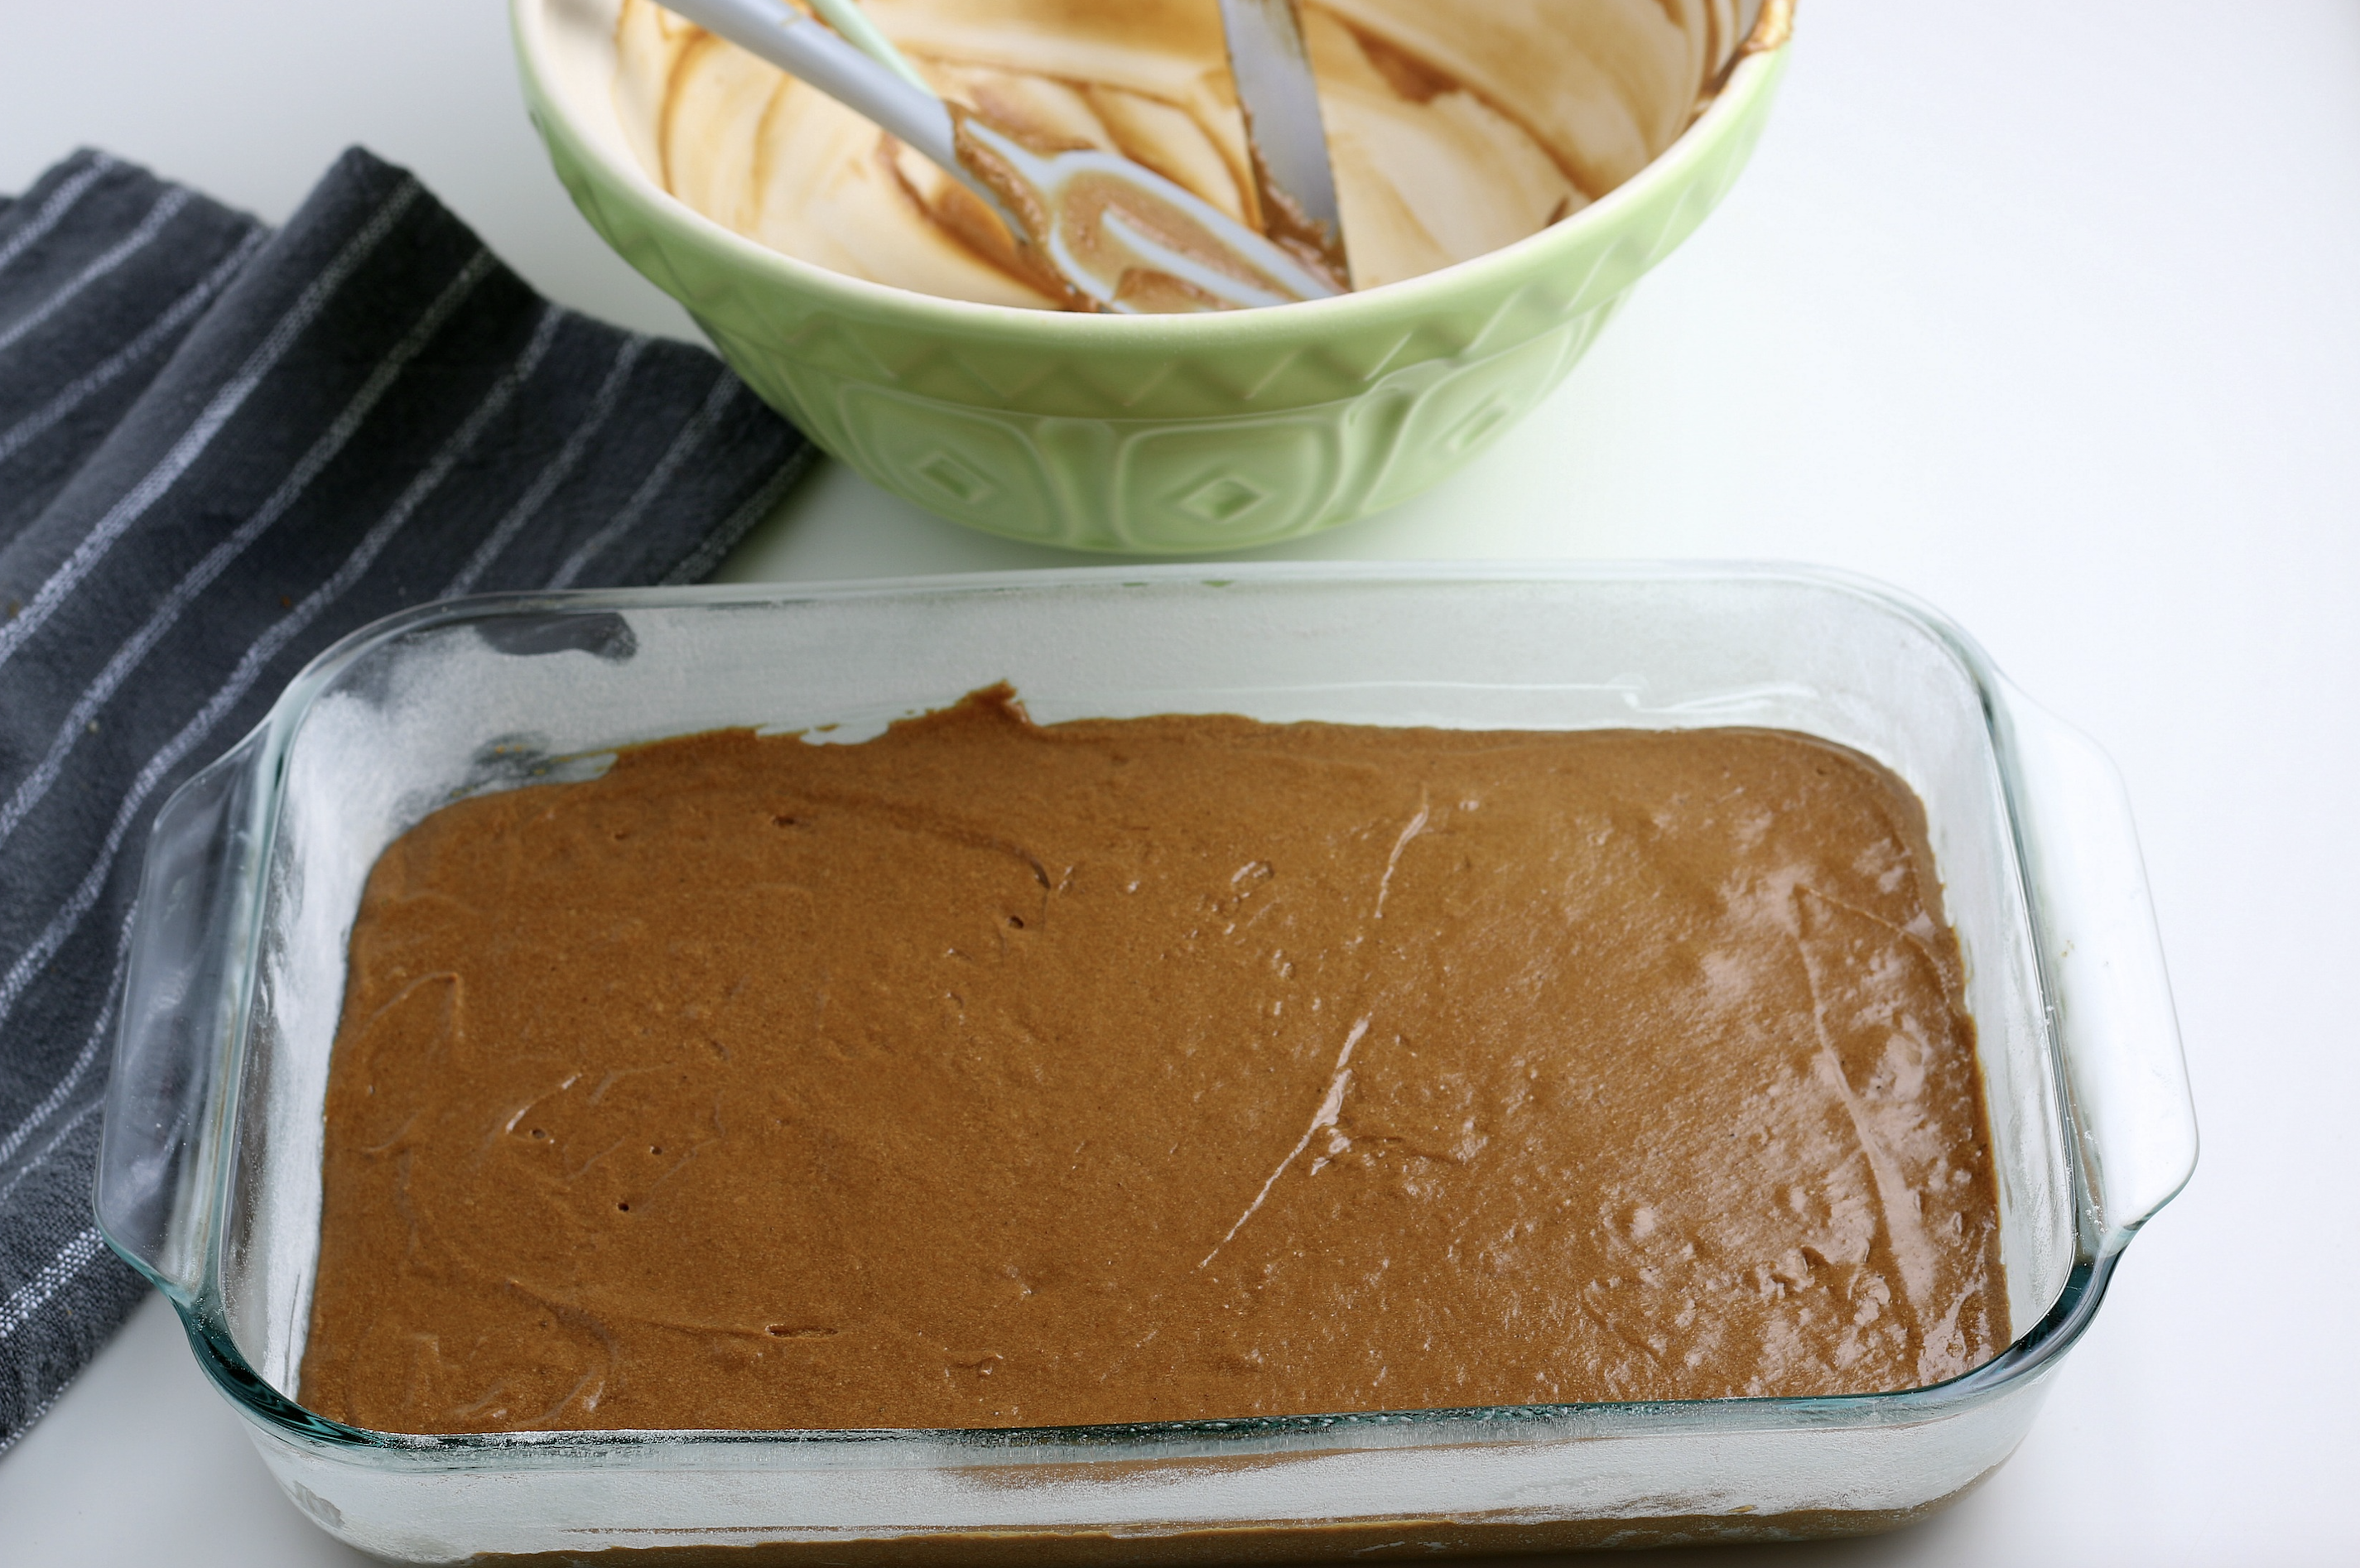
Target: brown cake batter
985 1074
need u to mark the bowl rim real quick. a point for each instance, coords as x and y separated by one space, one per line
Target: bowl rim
1749 81
2033 1350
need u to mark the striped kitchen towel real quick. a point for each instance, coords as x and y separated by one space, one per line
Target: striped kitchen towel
222 448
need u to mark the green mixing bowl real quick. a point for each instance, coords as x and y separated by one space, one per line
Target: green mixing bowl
1171 434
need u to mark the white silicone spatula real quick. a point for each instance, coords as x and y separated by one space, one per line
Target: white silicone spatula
1121 237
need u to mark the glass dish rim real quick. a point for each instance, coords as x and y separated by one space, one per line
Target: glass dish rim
2031 1353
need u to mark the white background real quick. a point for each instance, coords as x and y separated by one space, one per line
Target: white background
2046 313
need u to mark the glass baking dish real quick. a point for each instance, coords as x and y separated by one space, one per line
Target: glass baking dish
210 1170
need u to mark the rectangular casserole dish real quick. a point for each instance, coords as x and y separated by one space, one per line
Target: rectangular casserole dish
210 1167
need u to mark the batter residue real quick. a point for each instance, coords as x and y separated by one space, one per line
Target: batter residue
1454 129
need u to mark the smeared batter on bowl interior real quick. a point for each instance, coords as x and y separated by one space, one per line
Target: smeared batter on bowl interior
990 1074
1454 129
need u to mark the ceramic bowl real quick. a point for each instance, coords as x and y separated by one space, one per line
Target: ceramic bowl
1158 434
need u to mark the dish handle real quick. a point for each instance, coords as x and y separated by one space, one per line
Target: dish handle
2115 1027
183 1000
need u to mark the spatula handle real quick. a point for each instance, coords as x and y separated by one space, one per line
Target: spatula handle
784 35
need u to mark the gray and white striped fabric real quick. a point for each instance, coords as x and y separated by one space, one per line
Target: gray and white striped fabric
221 449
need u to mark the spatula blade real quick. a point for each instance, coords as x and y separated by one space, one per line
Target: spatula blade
1288 139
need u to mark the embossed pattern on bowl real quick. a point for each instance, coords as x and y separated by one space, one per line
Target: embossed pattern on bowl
1163 435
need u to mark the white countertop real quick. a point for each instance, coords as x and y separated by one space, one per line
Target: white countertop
2050 314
